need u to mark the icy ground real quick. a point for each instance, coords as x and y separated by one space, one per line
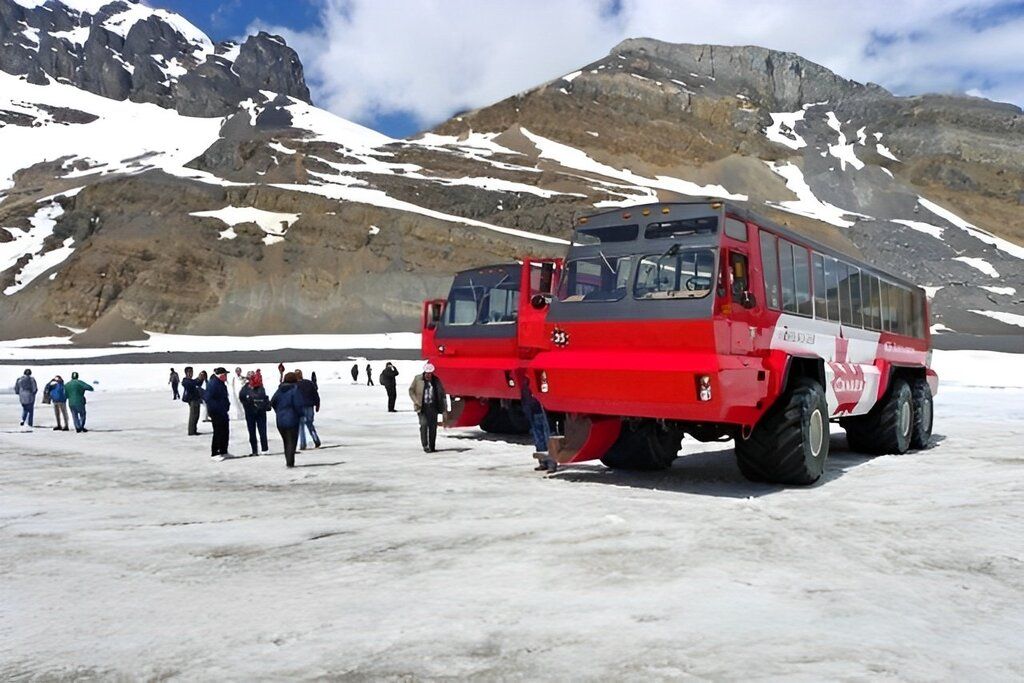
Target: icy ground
127 553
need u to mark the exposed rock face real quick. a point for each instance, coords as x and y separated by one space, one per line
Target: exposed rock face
128 51
284 218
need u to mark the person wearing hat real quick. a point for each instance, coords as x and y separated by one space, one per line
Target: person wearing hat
217 406
387 380
256 403
26 389
428 398
75 391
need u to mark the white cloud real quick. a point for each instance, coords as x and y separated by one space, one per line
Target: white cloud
432 57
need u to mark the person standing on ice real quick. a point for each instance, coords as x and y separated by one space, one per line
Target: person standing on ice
428 398
173 381
203 379
387 380
59 397
369 375
256 403
538 420
26 389
287 408
237 382
218 404
75 390
309 401
355 372
192 394
280 370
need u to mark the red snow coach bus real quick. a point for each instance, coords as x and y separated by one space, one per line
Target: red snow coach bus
701 318
482 333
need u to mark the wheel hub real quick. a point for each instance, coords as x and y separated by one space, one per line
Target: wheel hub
816 432
905 418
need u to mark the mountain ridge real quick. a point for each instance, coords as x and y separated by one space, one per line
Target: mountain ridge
277 216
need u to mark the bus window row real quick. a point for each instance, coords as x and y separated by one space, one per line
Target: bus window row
801 281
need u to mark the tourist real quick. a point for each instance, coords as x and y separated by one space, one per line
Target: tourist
203 379
192 394
256 404
59 397
427 394
218 404
355 372
287 407
280 370
26 389
237 382
309 401
387 380
173 381
75 391
538 421
369 375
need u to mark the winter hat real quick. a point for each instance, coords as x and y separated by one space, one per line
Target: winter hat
74 375
220 371
429 367
28 372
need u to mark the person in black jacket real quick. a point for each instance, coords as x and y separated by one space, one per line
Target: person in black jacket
369 375
355 372
309 399
217 406
430 402
173 381
387 380
286 407
192 394
256 404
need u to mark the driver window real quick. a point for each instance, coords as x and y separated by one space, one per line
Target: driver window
738 275
687 274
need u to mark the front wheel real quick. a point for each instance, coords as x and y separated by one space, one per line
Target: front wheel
921 398
645 446
789 445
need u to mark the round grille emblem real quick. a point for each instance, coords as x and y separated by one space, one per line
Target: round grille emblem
559 337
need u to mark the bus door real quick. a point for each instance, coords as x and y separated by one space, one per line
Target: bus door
741 302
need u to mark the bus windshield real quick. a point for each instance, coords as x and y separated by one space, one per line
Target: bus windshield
485 297
676 274
595 278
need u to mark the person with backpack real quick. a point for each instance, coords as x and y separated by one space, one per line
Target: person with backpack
287 407
309 400
387 380
256 404
26 389
217 406
75 390
192 394
173 381
428 398
59 397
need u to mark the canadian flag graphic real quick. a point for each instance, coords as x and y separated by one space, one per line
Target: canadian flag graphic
848 382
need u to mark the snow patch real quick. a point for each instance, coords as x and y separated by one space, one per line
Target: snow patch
783 129
842 150
1003 317
884 151
571 157
979 264
927 228
806 203
569 78
31 243
976 232
274 224
1004 291
930 291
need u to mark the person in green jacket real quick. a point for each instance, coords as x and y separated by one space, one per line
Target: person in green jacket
75 390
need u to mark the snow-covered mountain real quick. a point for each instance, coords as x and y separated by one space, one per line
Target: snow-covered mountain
152 179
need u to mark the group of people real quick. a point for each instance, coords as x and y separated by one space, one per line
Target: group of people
295 403
58 393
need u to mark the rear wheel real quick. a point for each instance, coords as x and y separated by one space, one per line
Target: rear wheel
921 399
646 446
888 427
790 443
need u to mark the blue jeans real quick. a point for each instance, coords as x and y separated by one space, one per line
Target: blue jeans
540 431
28 410
78 415
306 422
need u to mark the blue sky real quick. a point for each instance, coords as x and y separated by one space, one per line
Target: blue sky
401 66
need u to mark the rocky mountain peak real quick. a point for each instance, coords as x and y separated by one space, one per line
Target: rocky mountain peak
125 50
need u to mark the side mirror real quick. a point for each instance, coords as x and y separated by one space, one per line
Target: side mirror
747 300
433 314
539 301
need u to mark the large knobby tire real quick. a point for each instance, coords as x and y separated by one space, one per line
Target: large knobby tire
887 428
789 445
921 399
644 446
502 420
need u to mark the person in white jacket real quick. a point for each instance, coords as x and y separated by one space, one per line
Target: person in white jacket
237 382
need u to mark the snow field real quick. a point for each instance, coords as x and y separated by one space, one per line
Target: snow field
129 554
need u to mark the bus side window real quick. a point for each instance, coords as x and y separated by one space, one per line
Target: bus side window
738 275
770 268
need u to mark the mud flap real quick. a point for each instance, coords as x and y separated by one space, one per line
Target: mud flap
466 412
587 437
